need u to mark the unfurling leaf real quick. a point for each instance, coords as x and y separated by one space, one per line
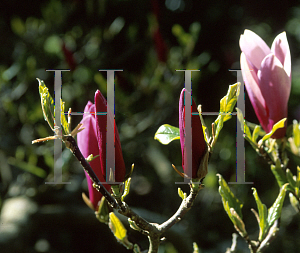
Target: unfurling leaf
181 194
279 124
103 211
47 104
274 211
262 215
167 133
119 230
229 200
127 188
238 223
294 202
227 104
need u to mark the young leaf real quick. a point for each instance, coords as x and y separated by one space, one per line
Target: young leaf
196 248
229 200
279 124
238 223
181 194
102 213
117 227
167 133
262 214
296 133
47 103
63 118
119 230
298 182
279 175
227 104
127 188
290 179
294 202
256 132
274 211
244 127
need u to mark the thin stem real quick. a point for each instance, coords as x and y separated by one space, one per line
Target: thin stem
154 231
72 145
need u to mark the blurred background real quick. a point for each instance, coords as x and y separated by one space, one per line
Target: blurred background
149 40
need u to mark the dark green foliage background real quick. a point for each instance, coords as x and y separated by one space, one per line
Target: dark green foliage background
119 34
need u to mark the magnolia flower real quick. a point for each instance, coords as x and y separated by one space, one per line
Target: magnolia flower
92 140
199 148
267 76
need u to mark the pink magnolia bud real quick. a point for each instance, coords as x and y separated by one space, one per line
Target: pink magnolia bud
199 146
267 76
92 140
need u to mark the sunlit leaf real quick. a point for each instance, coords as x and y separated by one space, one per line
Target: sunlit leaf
63 118
229 200
127 188
227 104
238 223
262 214
181 194
290 179
296 133
47 103
167 133
244 126
278 125
117 227
280 175
274 211
256 132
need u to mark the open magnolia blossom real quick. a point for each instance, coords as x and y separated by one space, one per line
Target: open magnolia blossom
92 140
267 76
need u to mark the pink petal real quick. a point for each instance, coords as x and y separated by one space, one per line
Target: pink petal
281 49
120 169
275 87
253 89
87 143
254 47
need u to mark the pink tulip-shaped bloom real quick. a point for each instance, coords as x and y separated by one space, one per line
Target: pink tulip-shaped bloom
92 140
267 76
199 147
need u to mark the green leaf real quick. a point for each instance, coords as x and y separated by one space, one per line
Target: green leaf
127 188
47 103
227 104
238 223
91 157
27 167
102 213
294 202
244 127
290 179
63 118
167 133
195 248
296 133
274 211
256 132
181 194
278 125
229 200
297 192
280 175
262 214
117 227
